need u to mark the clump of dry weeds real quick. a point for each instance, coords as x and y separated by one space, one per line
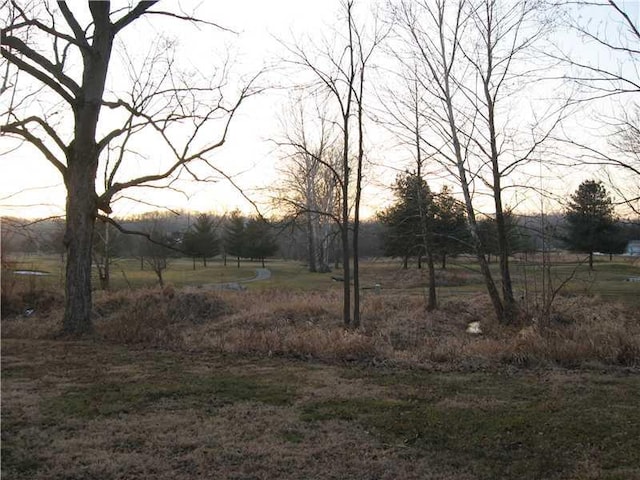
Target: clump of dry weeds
154 317
28 310
18 297
579 330
284 323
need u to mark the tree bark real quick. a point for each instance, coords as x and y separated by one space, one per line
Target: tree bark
432 302
81 213
508 301
311 240
346 271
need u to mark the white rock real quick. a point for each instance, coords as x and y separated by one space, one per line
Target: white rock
474 328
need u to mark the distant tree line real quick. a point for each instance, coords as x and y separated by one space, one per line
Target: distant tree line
587 225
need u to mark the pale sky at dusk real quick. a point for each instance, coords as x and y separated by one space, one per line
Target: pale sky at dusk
31 187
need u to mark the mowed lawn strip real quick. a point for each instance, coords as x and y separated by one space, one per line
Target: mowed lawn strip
88 410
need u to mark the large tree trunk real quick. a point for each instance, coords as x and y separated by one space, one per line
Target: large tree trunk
81 214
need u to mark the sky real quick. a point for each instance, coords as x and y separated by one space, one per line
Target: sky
31 187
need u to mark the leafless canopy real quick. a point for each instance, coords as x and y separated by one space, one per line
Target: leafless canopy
150 100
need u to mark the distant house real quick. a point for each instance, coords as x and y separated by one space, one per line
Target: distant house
633 248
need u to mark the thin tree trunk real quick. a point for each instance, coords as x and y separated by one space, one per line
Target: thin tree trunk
356 270
311 244
346 272
432 303
508 301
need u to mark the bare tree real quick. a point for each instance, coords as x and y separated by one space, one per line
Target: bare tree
467 57
96 119
105 243
310 179
156 247
338 67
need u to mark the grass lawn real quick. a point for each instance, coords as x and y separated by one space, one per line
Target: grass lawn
462 276
88 410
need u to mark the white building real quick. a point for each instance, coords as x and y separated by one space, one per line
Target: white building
633 248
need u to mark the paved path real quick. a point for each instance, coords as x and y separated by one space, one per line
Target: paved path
261 274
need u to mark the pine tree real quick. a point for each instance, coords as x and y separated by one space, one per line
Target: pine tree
201 239
235 237
590 219
259 241
405 219
450 232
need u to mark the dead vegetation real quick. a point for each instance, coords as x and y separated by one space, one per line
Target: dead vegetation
85 409
396 329
409 395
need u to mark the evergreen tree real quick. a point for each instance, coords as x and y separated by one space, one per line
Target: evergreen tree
405 219
410 225
518 239
235 237
259 241
590 219
450 232
200 240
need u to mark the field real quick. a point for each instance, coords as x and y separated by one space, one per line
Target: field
461 276
192 382
86 410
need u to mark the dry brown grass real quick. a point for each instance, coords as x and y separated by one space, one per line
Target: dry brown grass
29 310
284 323
154 317
396 328
582 329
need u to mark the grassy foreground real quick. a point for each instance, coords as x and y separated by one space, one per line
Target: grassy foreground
89 410
191 382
